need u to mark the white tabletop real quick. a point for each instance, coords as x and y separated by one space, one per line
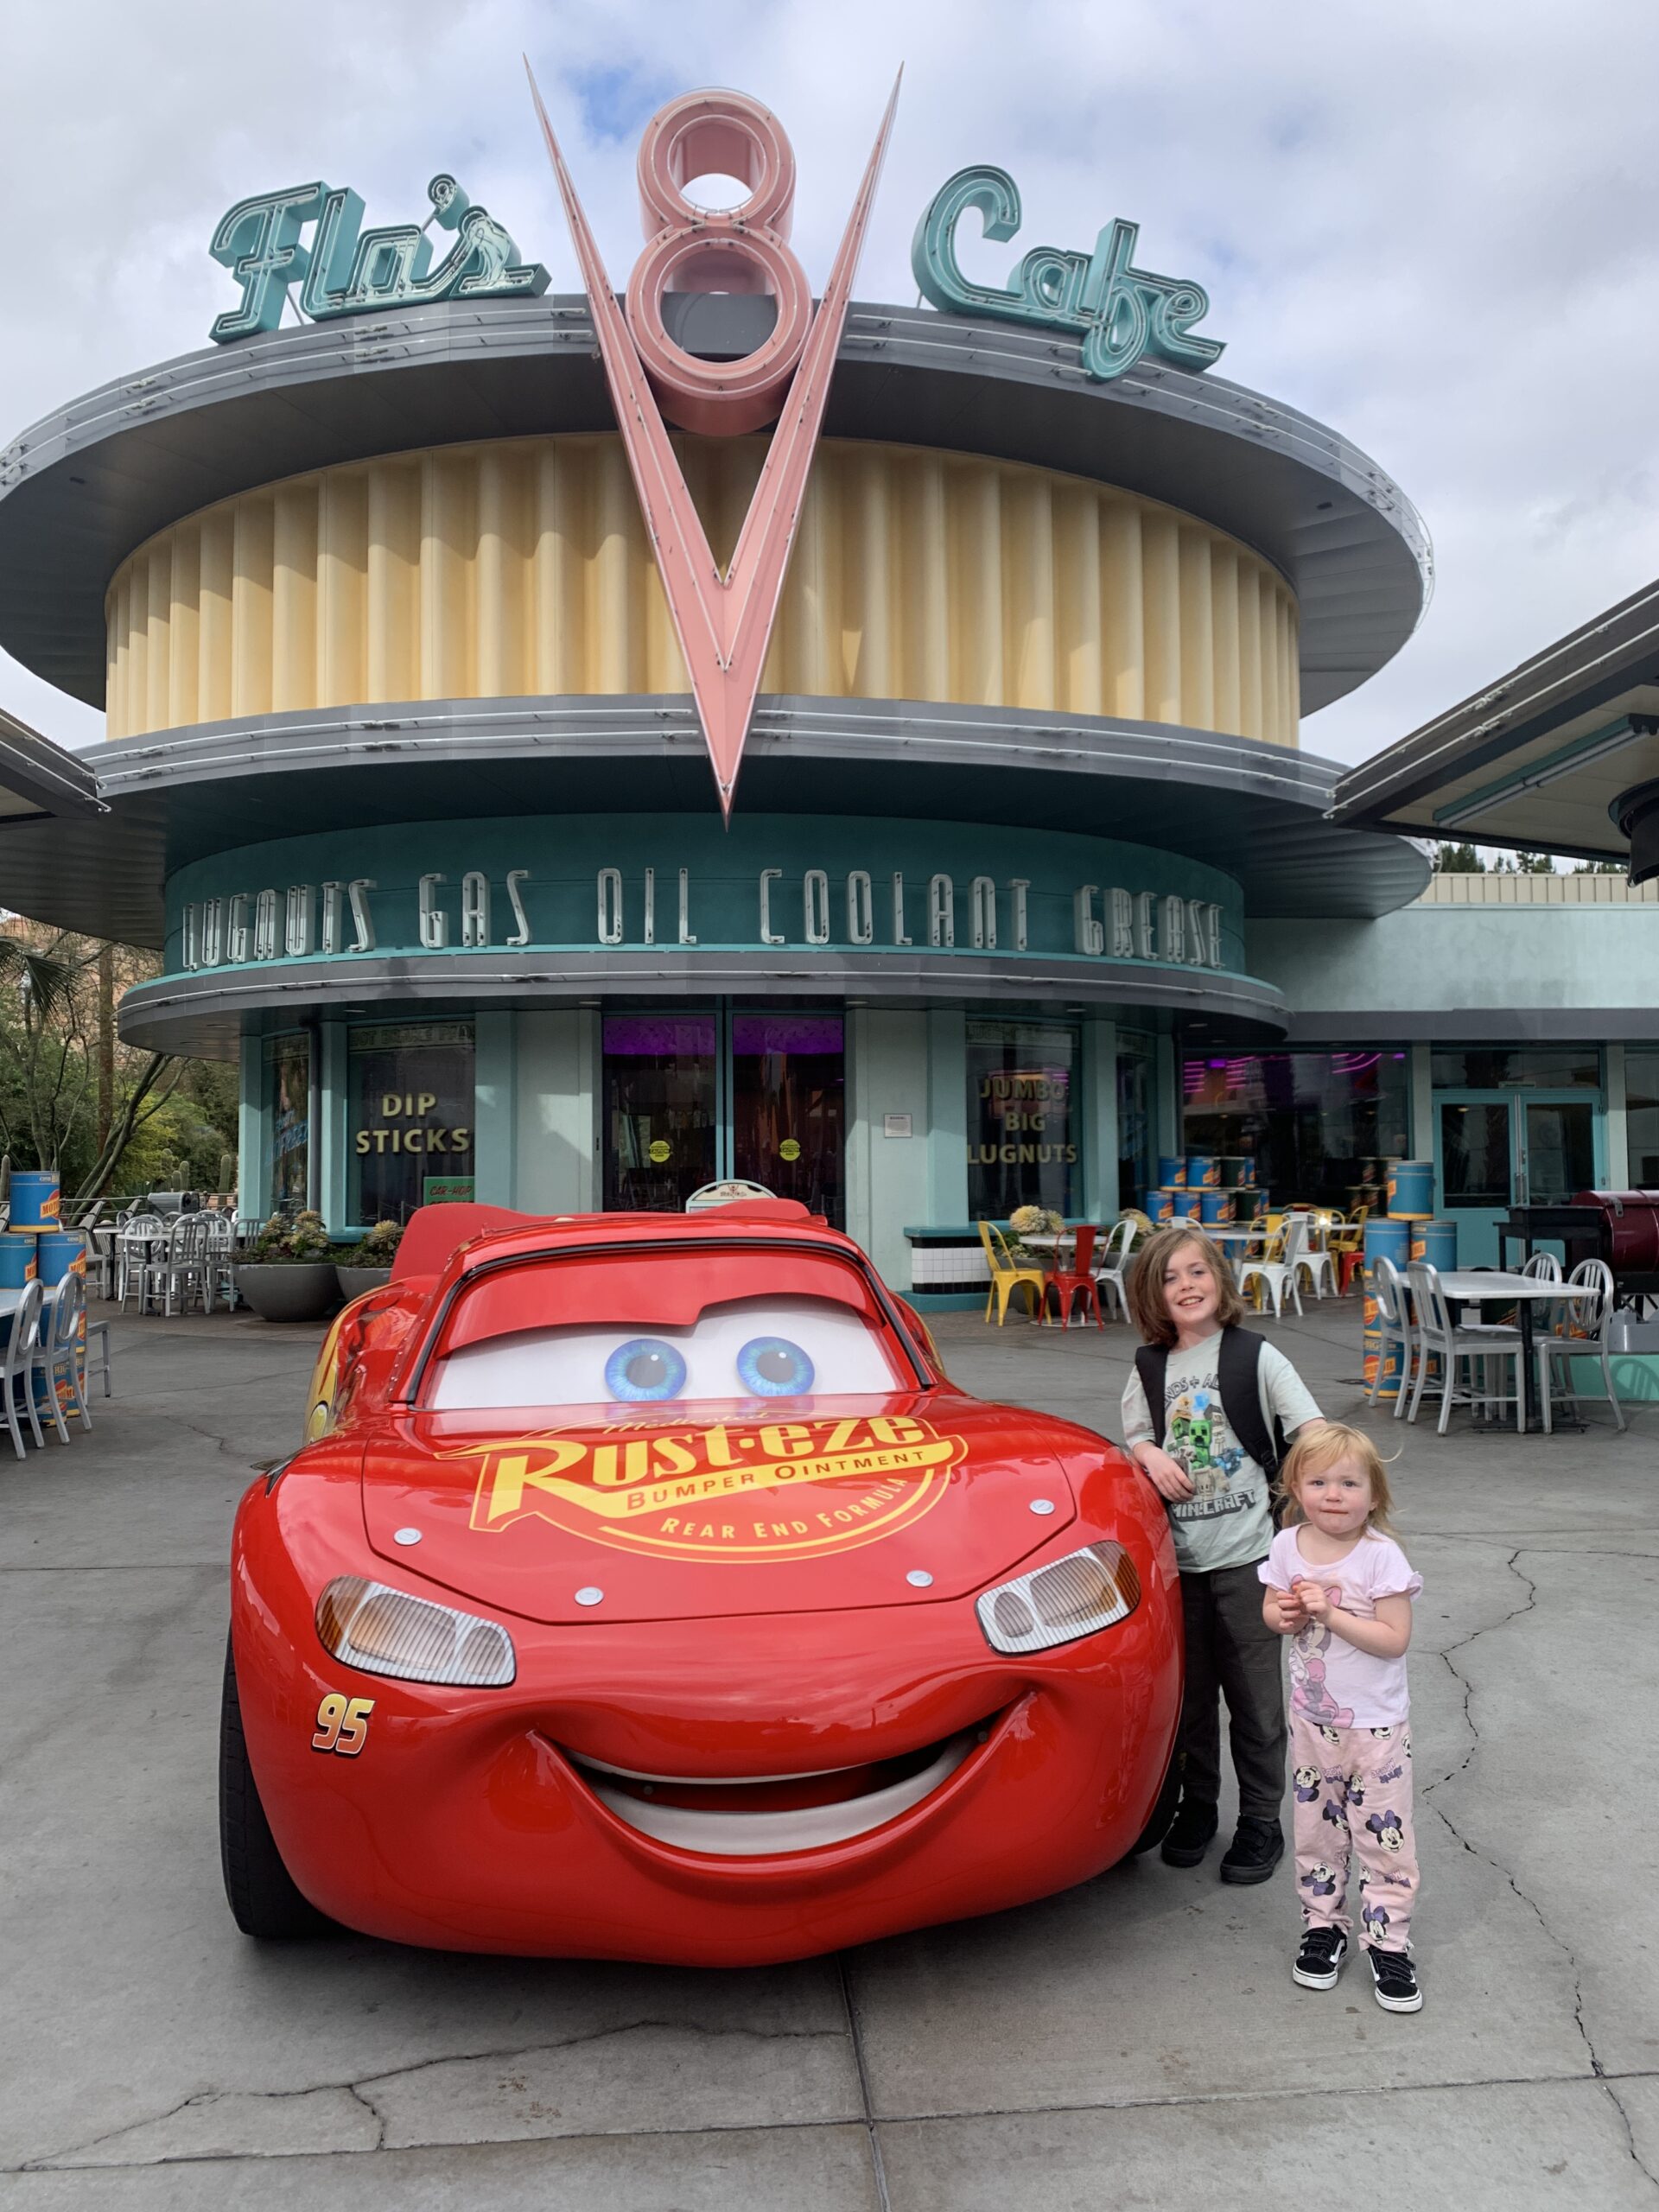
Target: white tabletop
1220 1234
1456 1283
1049 1241
11 1300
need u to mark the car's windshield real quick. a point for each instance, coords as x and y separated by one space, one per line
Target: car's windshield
784 1348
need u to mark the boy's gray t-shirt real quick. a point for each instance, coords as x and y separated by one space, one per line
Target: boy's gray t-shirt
1227 1520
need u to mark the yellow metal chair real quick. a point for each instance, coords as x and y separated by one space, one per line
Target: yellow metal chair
1007 1274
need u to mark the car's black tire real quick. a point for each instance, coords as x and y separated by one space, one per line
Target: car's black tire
263 1899
1162 1813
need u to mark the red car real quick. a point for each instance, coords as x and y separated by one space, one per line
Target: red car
645 1591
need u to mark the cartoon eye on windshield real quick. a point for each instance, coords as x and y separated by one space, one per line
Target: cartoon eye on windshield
645 1367
770 1349
772 1367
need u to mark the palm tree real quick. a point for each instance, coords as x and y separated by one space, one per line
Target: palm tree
45 983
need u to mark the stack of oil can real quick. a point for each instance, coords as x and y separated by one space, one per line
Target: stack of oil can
36 1244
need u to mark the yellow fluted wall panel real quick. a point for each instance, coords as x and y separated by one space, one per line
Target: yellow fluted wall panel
521 566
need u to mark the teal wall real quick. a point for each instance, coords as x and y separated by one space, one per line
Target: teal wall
892 1181
1436 959
555 1126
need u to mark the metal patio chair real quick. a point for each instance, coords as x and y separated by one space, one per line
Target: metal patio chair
1112 1276
1437 1333
1008 1275
1276 1270
60 1355
1581 1332
1393 1315
17 1366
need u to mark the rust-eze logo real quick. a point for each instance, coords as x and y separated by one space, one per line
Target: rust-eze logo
775 1490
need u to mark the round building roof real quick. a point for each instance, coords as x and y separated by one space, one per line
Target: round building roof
82 489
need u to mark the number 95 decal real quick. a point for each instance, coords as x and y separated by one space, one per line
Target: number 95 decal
342 1725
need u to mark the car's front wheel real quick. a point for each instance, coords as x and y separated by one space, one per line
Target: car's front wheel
1162 1813
263 1897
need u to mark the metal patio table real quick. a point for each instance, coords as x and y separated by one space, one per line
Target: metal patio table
1471 1287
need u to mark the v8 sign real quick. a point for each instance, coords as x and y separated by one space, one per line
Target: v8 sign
724 623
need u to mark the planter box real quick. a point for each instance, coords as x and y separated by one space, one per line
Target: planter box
353 1281
289 1291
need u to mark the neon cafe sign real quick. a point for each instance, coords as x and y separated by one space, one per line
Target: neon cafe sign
723 619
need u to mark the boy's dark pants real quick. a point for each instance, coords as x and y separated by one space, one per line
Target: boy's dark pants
1232 1653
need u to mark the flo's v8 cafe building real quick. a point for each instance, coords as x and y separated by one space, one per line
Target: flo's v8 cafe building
569 750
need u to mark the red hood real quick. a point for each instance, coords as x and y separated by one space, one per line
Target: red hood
696 1518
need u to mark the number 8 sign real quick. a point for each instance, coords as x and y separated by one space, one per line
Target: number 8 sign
723 622
692 249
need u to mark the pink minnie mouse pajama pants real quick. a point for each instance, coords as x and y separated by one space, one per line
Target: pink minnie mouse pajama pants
1351 1791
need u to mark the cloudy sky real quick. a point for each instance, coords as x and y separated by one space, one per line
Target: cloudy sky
1427 225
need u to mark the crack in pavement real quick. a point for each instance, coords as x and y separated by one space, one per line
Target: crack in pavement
362 2090
1176 2102
1518 1613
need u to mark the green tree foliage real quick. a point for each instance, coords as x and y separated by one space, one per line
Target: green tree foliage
1459 860
170 1121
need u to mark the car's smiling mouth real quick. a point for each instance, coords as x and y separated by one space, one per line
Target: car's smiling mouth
746 1817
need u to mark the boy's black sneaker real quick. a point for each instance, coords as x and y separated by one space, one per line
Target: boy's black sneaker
1320 1960
1256 1848
1190 1833
1394 1981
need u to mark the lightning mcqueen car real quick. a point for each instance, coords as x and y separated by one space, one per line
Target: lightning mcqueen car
645 1591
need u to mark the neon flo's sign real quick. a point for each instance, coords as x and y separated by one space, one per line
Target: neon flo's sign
1121 312
348 271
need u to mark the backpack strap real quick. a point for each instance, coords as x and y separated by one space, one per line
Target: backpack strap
1152 1364
1239 1374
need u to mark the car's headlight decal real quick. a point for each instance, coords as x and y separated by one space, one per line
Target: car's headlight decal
386 1632
1070 1597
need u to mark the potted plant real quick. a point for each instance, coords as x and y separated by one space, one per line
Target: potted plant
290 1276
368 1265
1034 1221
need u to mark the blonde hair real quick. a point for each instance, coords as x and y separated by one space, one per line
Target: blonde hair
1316 1450
1149 1304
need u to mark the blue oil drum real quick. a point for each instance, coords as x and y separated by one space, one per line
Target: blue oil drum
1437 1242
18 1260
62 1252
1203 1172
1216 1208
1172 1172
1189 1204
1411 1190
1159 1206
34 1200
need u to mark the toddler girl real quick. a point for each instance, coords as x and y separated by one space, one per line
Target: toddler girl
1205 1418
1341 1588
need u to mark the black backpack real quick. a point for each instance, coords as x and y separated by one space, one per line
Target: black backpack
1237 1377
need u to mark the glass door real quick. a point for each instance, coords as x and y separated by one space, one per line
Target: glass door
1493 1153
661 1119
788 1098
1558 1150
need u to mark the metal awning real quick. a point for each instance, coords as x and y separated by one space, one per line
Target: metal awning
40 780
1561 755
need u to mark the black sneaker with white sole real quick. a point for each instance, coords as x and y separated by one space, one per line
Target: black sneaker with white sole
1320 1959
1393 1980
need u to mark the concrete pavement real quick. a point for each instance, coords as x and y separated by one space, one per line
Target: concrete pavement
1136 2042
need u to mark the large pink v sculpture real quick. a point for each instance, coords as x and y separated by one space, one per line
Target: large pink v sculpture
724 623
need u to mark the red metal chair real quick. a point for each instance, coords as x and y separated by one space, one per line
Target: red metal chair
1075 1281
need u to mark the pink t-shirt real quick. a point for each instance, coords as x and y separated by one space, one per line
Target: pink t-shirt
1331 1682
